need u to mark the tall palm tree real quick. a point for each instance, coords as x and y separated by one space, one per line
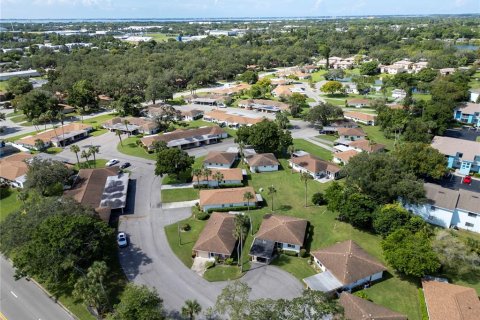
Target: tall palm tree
191 308
291 150
305 177
126 123
248 196
85 154
218 176
119 135
207 173
93 150
271 192
197 173
75 149
241 228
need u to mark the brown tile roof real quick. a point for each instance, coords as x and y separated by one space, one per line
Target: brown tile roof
233 89
450 146
360 116
48 135
182 134
145 124
220 157
192 113
351 132
448 301
224 196
217 235
14 166
283 229
345 156
348 261
283 90
278 104
314 164
89 185
219 115
228 174
262 159
359 101
367 145
356 308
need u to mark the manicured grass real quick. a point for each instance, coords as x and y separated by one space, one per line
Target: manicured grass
98 120
222 272
53 150
320 152
99 163
297 266
188 238
15 138
18 119
318 75
98 132
8 202
129 146
176 195
374 134
160 37
478 139
14 114
329 137
422 96
336 102
77 308
363 110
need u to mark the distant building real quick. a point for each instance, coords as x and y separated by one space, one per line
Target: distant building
60 136
399 94
359 103
19 74
263 105
365 118
230 120
447 71
468 113
13 169
131 125
317 168
191 115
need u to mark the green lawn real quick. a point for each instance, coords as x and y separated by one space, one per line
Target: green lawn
8 202
18 119
374 134
329 137
98 132
176 195
222 272
422 96
129 146
320 152
318 75
336 101
99 163
160 37
99 120
475 82
14 114
297 266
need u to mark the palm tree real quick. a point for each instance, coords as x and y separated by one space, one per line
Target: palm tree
119 134
241 148
207 173
239 233
75 149
85 154
93 150
191 308
219 177
291 150
126 123
39 144
305 177
271 192
197 173
248 196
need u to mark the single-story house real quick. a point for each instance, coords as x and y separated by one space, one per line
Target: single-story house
219 160
191 115
13 169
446 207
60 136
356 308
262 162
333 127
365 118
449 301
230 120
263 105
350 134
232 89
287 233
66 109
316 167
230 177
468 113
344 156
344 266
187 138
419 66
227 198
282 90
392 69
103 189
399 94
131 125
216 238
447 71
366 146
463 155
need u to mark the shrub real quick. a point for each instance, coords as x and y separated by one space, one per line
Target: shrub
303 253
203 215
210 264
363 295
230 209
186 227
290 253
318 199
229 261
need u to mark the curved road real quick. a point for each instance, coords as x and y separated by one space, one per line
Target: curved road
149 260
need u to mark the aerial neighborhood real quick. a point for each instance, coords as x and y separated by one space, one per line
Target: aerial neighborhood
273 168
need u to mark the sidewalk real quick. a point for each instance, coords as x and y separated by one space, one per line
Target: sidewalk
177 186
180 204
320 144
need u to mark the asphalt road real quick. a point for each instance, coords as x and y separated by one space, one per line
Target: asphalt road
24 300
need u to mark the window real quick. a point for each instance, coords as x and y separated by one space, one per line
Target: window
472 215
432 208
468 224
290 245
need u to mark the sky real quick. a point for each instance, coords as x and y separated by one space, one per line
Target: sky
91 9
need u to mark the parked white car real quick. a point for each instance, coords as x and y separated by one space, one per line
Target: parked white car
112 162
122 240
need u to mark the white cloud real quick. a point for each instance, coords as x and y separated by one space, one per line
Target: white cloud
318 3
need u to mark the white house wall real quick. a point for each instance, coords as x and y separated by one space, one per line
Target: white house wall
229 205
437 216
461 218
264 168
285 246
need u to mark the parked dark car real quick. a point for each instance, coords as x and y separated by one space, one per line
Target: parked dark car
125 165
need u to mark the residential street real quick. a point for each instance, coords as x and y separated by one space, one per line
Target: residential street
24 300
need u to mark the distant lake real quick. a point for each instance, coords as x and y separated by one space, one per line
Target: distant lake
466 47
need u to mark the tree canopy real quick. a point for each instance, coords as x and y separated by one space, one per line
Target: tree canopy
265 136
172 161
46 176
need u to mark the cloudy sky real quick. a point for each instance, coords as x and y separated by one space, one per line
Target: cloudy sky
58 9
